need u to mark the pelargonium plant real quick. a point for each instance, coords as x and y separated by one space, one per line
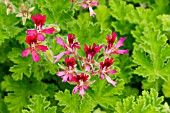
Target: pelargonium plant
84 56
69 72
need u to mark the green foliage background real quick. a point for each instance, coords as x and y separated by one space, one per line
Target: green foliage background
143 75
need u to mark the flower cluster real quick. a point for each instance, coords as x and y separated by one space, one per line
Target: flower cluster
81 78
35 37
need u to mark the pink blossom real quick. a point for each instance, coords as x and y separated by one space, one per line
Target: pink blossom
69 71
91 51
89 4
70 47
110 49
39 21
105 70
33 47
81 82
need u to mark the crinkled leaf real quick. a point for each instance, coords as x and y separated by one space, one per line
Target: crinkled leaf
151 55
165 89
147 103
7 23
73 103
19 92
39 105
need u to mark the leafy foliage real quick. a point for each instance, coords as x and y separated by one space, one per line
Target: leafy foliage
39 105
20 91
147 103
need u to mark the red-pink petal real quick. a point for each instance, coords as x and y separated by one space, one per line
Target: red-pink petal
48 30
95 3
60 55
102 76
26 52
84 6
76 88
92 13
61 42
65 77
31 32
41 37
121 51
110 80
87 68
112 71
42 48
61 73
82 93
35 56
120 43
85 87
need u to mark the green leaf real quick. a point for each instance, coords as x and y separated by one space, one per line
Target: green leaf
74 103
165 21
106 95
19 92
94 33
103 16
151 55
8 25
121 25
39 105
165 88
23 65
147 103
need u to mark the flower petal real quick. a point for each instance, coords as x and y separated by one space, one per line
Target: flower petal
42 48
35 56
112 71
26 52
92 13
95 3
48 30
60 55
120 43
61 73
110 80
102 76
31 32
84 6
65 78
121 51
41 37
76 88
82 93
61 42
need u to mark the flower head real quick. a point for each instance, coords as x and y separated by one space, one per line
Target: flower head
105 69
10 7
25 13
69 71
81 82
70 47
89 4
91 51
33 47
39 21
111 49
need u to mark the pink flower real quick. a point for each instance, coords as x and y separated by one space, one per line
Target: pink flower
72 1
89 4
39 21
110 49
33 47
70 47
91 51
105 70
81 82
69 71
